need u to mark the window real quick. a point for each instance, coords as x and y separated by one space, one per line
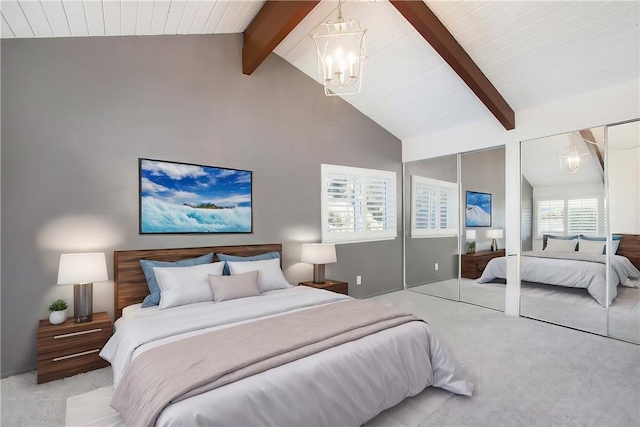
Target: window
567 216
550 217
358 204
434 207
582 216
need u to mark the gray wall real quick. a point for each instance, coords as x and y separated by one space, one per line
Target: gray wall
526 207
484 171
421 254
79 112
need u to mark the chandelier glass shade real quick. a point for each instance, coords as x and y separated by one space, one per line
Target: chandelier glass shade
341 53
573 159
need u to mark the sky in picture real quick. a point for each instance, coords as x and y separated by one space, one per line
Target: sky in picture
181 198
478 210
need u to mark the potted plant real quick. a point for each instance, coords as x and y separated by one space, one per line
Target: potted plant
58 310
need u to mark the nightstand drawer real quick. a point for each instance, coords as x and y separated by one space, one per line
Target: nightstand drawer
73 342
70 364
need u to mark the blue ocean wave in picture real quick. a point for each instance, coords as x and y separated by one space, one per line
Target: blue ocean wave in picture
162 217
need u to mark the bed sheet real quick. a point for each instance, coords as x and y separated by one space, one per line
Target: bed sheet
569 269
345 385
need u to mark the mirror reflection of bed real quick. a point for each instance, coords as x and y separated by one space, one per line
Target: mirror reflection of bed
565 221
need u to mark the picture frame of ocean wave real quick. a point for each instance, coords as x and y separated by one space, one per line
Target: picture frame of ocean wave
185 198
478 211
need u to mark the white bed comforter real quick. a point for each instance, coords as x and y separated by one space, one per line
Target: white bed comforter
569 269
346 385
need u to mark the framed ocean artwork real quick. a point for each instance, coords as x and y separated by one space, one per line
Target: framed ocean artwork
184 198
478 211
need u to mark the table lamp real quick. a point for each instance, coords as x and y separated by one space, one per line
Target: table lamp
318 254
81 270
494 234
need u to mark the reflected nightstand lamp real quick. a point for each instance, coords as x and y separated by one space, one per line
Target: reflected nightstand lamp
494 234
318 254
81 270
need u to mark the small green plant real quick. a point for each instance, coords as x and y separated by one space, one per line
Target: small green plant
58 305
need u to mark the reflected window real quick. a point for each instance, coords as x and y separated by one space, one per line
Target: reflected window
434 207
568 216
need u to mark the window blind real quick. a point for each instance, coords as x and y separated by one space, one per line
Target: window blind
357 204
434 207
550 217
582 216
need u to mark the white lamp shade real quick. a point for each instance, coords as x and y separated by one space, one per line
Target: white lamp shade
471 234
82 268
318 253
494 234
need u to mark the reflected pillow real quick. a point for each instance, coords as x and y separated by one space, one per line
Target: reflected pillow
154 290
546 237
186 285
558 245
592 246
226 288
261 257
270 276
615 241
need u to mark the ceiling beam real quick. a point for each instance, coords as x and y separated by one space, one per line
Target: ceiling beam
593 150
271 25
436 34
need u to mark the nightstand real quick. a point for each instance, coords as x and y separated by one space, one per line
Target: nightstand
71 348
329 285
474 264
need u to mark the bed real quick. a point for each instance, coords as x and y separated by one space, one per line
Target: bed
345 384
575 270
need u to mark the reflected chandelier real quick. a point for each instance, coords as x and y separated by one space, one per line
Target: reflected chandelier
573 159
341 53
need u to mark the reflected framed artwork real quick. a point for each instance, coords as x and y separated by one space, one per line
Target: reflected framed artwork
478 211
184 198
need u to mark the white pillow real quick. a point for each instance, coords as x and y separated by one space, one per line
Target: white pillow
186 285
591 246
236 286
270 276
558 245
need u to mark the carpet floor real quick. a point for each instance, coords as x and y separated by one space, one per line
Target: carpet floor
526 373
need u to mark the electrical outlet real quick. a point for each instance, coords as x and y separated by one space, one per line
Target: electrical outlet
358 280
436 266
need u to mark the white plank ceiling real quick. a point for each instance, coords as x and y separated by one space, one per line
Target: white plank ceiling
541 165
534 52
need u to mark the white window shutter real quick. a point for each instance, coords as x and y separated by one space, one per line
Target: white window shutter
358 204
434 207
550 217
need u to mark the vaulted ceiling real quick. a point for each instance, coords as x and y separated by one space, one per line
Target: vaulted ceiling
533 52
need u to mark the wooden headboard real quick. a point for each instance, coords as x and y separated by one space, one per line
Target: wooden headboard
630 248
130 284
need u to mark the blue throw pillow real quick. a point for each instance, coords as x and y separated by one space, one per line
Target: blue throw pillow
147 267
232 258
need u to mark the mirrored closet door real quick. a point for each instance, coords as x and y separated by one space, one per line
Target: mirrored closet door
563 215
454 225
431 229
482 221
623 178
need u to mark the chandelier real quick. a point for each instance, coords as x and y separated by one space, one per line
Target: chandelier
341 52
572 159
